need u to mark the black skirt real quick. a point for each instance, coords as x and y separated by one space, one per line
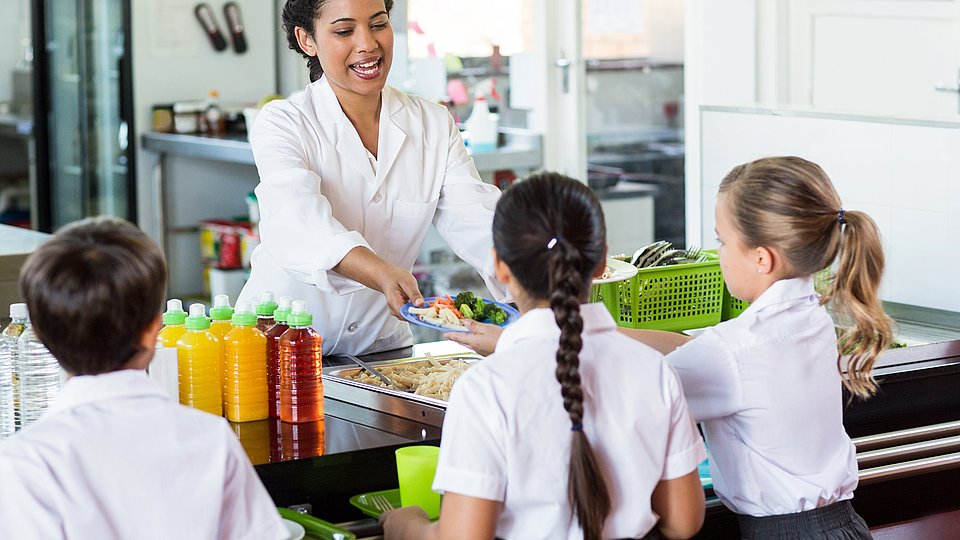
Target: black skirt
838 521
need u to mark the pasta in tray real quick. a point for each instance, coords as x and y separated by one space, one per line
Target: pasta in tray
429 378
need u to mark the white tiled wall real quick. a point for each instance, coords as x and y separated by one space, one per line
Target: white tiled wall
906 176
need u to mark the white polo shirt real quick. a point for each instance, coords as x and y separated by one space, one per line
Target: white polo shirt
114 458
766 387
506 436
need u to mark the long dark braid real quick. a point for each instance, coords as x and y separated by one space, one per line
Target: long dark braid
554 222
304 13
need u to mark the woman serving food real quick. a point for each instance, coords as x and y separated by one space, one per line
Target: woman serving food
352 174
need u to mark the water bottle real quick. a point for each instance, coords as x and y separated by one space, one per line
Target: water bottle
481 127
40 377
9 395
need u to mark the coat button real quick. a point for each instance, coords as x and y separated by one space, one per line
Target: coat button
353 327
377 198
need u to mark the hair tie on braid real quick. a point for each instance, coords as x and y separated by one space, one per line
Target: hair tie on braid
576 427
840 219
553 241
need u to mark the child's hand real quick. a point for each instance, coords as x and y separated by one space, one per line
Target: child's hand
482 337
400 523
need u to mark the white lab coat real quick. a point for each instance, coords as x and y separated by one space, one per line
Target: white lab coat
320 198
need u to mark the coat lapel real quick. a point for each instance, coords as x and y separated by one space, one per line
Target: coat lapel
391 134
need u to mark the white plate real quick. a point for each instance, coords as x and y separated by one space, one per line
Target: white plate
296 530
620 271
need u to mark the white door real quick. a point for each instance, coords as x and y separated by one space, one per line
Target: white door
882 57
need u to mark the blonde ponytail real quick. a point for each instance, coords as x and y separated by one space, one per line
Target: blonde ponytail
854 292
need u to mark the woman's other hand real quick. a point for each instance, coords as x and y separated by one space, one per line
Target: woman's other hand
482 337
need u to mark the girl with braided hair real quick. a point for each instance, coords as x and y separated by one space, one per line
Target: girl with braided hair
570 429
767 385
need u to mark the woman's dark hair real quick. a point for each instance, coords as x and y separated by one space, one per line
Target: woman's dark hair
554 223
92 290
304 13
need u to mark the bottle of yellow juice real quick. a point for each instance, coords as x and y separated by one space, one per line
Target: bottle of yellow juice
220 315
198 352
173 327
245 370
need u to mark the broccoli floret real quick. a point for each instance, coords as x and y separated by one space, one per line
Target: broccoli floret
466 311
465 297
478 306
493 314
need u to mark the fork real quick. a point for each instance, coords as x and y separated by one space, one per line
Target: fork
381 503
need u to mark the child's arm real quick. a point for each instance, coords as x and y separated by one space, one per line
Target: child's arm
680 504
665 342
461 518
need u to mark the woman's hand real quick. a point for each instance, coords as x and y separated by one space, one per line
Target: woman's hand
482 337
400 287
397 284
404 522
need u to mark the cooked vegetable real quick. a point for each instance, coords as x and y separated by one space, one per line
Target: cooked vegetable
493 314
464 298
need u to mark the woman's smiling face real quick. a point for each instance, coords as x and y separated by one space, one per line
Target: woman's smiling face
353 40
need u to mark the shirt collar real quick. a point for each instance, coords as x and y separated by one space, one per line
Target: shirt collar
540 324
84 389
786 291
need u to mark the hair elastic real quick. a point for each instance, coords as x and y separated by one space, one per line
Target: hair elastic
840 214
552 242
576 427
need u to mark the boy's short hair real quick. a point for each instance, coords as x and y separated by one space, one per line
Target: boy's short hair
92 290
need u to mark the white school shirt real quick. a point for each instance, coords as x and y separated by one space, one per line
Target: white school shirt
766 387
320 198
506 436
115 458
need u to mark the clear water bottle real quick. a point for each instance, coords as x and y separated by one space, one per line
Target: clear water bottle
39 377
9 401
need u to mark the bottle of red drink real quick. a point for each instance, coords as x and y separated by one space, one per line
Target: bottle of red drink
301 353
273 356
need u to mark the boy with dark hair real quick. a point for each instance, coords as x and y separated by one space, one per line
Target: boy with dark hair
113 457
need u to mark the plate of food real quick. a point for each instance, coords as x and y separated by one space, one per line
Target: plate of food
616 270
446 313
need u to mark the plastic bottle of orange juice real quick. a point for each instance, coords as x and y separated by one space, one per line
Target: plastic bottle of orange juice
173 327
301 355
220 315
197 354
245 370
265 310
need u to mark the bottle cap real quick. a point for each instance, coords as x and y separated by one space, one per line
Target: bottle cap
243 315
267 304
18 311
198 318
175 313
299 316
283 309
221 310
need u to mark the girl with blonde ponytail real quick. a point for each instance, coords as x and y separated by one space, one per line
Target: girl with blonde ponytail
766 384
569 430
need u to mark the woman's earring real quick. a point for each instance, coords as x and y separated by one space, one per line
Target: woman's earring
759 270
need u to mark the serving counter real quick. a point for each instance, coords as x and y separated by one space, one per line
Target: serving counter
907 436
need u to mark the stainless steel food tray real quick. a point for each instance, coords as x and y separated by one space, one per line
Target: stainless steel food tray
425 410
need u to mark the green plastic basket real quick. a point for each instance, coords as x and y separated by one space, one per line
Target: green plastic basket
672 298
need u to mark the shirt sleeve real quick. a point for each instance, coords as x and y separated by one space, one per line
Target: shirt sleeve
27 504
709 375
297 227
472 458
248 511
685 449
464 216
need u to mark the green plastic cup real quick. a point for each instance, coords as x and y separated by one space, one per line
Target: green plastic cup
416 466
